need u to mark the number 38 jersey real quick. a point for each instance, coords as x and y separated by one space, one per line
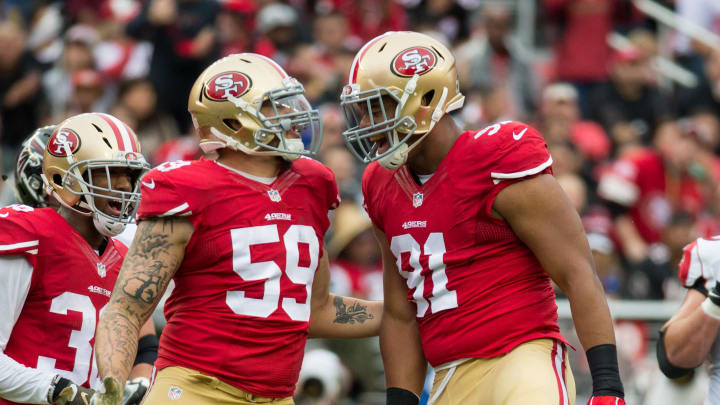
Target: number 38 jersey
478 289
240 308
69 285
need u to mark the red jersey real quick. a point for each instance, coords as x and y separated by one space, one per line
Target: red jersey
478 289
241 305
70 285
638 182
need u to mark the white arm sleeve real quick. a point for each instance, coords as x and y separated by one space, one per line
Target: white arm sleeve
17 382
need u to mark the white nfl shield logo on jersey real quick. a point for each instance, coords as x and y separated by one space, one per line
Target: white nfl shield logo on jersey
417 199
102 272
274 195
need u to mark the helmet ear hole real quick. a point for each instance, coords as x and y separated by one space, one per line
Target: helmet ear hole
427 98
233 124
57 179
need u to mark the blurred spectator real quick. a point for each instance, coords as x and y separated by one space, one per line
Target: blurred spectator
333 122
445 16
628 107
560 119
501 62
342 163
278 25
582 50
370 18
20 91
566 159
77 55
138 106
87 94
184 43
704 13
598 226
235 25
44 39
355 256
706 95
323 379
644 189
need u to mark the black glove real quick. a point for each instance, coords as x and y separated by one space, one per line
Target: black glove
66 392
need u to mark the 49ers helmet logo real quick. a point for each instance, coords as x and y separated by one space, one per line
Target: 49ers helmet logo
414 60
227 84
63 142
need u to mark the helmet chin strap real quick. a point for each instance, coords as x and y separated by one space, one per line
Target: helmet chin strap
106 226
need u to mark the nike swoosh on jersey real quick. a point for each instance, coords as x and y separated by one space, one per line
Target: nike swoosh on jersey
520 135
150 185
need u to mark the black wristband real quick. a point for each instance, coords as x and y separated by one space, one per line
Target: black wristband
400 396
603 363
714 294
147 350
60 383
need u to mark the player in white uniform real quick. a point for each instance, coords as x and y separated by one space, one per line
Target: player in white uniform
691 335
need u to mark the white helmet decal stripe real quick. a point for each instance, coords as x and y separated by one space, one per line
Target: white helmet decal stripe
124 139
361 53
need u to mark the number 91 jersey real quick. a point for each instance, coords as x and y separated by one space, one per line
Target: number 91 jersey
478 289
240 308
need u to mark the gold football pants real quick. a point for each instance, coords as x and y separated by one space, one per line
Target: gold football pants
536 372
179 385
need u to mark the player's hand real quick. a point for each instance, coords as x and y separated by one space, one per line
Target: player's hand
110 393
606 400
71 394
135 391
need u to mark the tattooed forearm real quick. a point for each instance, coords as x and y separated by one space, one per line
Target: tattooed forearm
354 313
150 264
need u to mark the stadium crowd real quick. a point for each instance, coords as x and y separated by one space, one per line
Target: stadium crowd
635 147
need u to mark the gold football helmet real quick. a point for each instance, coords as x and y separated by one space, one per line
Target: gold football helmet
82 146
418 74
247 102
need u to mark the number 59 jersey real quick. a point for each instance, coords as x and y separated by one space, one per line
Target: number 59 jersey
478 289
240 308
69 286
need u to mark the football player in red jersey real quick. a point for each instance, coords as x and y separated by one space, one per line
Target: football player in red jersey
30 190
473 228
242 238
58 268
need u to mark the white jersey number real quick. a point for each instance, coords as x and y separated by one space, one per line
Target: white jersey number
79 339
441 298
242 239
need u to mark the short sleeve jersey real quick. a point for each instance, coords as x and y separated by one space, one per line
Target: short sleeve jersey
479 291
240 308
70 284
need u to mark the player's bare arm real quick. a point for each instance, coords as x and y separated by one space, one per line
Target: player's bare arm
542 217
334 316
153 258
690 333
403 358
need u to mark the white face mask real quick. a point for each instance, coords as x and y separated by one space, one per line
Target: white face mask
106 226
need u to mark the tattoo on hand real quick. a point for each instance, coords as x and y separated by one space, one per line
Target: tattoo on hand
354 313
